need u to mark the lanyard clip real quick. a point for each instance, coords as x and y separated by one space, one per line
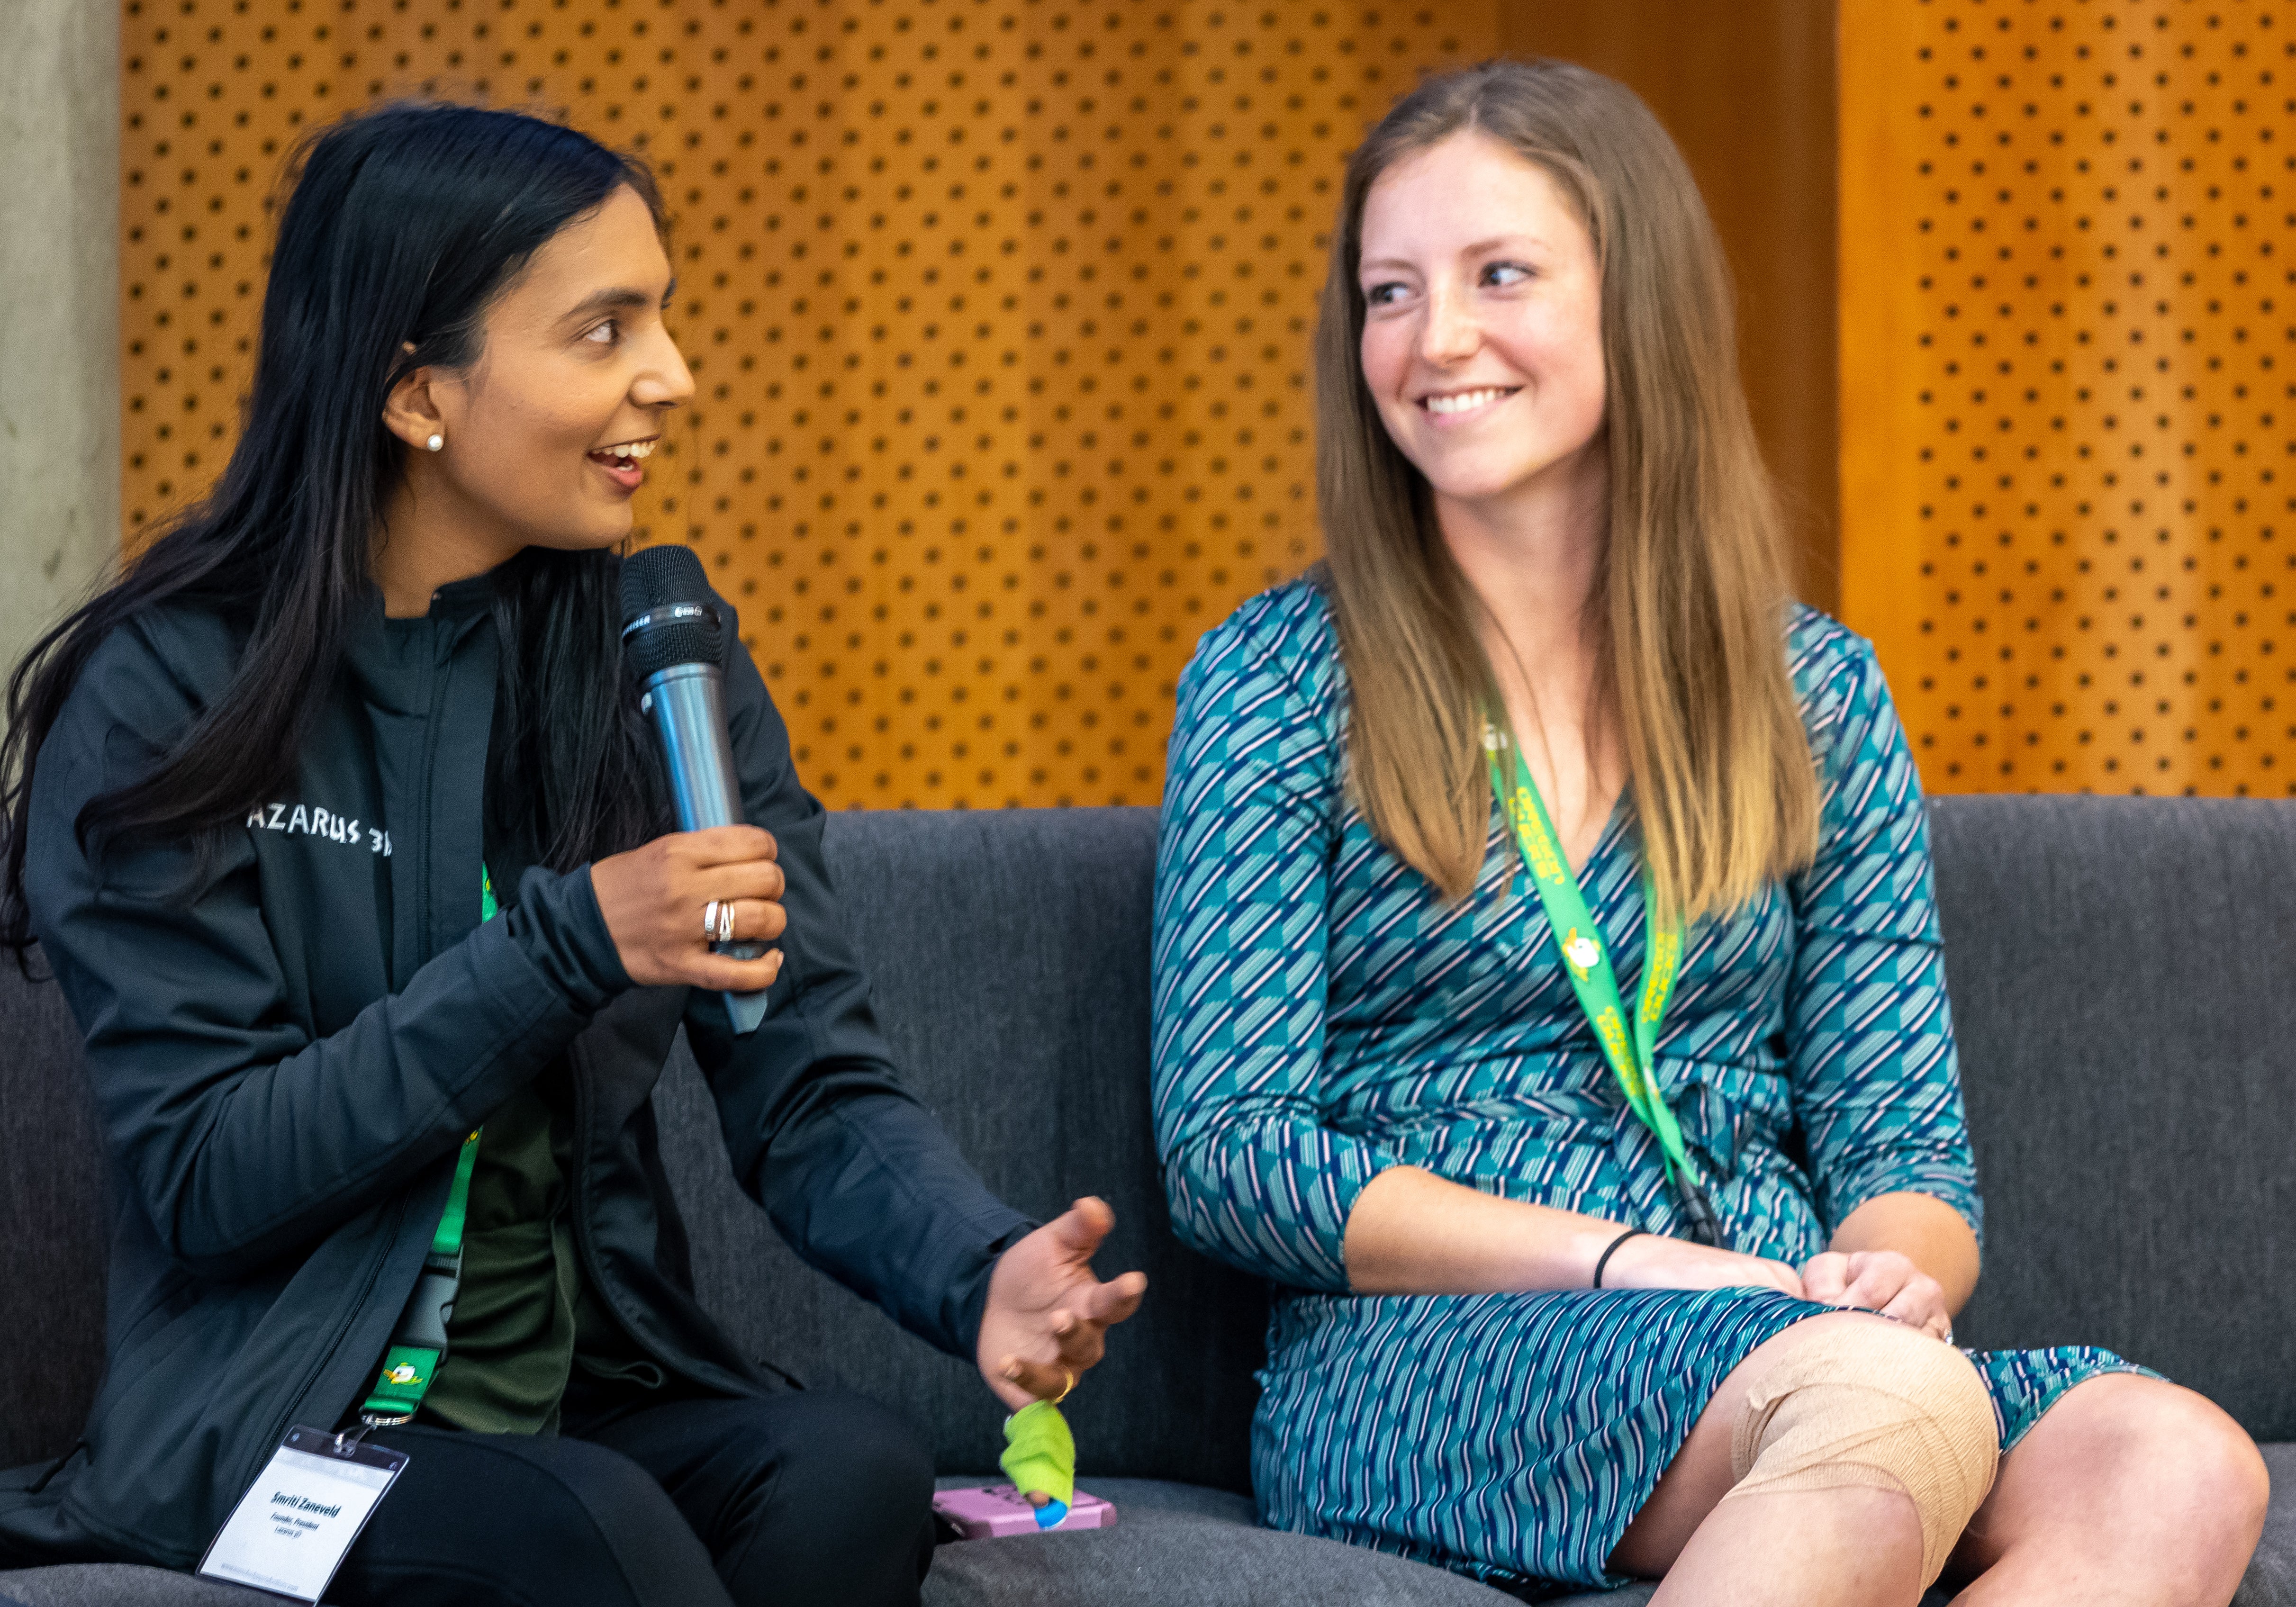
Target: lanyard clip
345 1443
422 1324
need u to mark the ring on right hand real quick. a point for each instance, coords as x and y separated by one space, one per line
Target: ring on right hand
718 921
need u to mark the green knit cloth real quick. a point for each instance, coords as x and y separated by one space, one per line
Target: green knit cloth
1040 1455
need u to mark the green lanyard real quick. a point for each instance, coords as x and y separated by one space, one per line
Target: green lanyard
1631 1051
418 1345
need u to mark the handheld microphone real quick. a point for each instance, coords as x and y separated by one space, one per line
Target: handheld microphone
675 647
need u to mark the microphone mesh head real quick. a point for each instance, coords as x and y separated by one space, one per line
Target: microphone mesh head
658 578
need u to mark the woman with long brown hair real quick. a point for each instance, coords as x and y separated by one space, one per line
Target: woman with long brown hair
1548 986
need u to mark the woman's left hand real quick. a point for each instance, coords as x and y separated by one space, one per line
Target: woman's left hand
1879 1280
1047 1316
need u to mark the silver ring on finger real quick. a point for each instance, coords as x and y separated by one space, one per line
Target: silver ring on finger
725 922
711 921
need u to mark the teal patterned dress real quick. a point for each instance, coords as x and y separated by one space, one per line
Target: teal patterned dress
1321 1014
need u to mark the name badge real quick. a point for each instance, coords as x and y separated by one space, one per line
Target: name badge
292 1528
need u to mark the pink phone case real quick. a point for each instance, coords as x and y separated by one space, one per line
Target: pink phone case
988 1512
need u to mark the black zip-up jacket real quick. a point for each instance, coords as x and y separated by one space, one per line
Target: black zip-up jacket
289 1042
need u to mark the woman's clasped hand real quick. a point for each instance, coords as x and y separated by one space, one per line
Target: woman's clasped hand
1648 1261
1882 1281
1879 1280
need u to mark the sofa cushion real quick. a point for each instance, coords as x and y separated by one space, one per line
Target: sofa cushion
1172 1546
2271 1580
57 1209
119 1585
2119 969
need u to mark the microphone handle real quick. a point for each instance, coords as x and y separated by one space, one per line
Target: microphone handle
687 705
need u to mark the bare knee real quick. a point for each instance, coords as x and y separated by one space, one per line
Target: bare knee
2219 1457
2179 1442
2150 1480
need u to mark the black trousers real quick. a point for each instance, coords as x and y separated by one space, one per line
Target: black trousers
808 1497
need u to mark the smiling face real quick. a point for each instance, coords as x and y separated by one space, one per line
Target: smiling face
1482 339
547 432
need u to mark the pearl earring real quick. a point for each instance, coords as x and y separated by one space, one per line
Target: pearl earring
436 442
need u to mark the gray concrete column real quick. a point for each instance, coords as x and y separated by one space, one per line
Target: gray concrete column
58 308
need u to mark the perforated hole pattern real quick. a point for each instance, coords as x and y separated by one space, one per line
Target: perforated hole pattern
998 311
2066 365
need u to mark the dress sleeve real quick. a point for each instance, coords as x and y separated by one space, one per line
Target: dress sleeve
1253 1173
1876 1085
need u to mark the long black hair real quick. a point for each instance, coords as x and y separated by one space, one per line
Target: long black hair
401 225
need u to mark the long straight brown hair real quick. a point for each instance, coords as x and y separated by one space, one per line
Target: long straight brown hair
1691 593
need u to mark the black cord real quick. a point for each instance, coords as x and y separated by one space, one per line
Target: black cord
1603 1259
1705 1228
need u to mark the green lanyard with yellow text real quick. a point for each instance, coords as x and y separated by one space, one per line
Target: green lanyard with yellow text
419 1344
1629 1048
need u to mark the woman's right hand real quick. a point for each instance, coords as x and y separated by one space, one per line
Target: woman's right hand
1414 1232
653 898
1648 1261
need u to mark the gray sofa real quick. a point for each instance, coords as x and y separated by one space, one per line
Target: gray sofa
2122 978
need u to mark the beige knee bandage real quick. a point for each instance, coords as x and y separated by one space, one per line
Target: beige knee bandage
1859 1402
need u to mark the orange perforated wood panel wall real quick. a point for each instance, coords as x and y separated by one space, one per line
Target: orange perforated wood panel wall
998 310
2067 332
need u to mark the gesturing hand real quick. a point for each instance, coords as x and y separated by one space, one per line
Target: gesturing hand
1879 1280
1047 1312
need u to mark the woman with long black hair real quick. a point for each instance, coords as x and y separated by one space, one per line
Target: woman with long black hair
336 820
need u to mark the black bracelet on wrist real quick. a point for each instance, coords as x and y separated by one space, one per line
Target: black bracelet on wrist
1610 1250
